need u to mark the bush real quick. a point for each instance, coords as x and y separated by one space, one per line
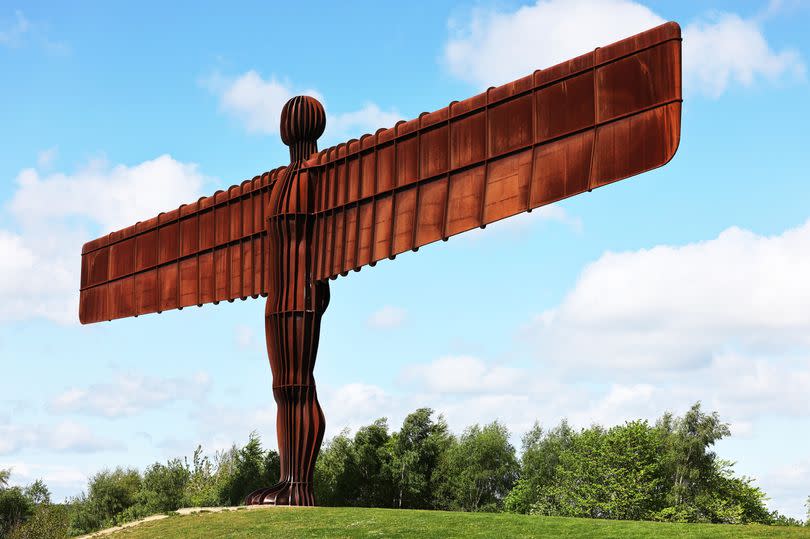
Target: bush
111 495
47 522
163 487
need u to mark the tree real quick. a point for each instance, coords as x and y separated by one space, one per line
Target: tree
689 456
413 456
476 473
201 489
541 455
38 492
807 506
251 468
163 487
4 477
336 482
113 492
15 509
374 488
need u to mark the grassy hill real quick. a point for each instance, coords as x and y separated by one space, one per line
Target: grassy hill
361 522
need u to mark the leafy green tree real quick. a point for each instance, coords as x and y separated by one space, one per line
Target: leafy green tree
248 471
374 486
4 477
689 455
38 492
413 457
15 509
201 488
540 458
476 473
163 487
336 476
113 492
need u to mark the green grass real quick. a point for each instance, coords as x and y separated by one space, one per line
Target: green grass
360 522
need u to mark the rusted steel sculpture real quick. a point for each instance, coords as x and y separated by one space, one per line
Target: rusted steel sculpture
598 118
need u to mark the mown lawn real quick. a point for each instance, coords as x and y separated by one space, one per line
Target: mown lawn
361 522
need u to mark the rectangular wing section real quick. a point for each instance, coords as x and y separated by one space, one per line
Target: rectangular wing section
208 251
598 118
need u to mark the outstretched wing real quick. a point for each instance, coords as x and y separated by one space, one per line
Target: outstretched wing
598 118
208 251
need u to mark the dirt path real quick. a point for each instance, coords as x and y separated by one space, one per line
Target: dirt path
183 511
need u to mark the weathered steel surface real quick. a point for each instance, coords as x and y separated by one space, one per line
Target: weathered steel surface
208 251
295 304
603 116
598 118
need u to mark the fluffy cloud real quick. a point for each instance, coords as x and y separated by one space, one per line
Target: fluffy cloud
130 395
56 213
256 104
680 307
341 127
464 374
388 317
789 482
728 48
111 196
65 437
718 50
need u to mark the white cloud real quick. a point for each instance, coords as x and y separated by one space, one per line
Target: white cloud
465 374
356 404
679 307
62 481
45 158
521 224
721 49
245 337
56 213
111 196
130 395
11 36
256 104
66 437
388 317
728 48
482 49
343 126
254 101
789 483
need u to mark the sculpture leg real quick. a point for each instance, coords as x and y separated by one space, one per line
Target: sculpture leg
292 342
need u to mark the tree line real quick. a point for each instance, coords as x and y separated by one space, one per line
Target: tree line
665 471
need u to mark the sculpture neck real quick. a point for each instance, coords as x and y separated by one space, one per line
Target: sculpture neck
301 150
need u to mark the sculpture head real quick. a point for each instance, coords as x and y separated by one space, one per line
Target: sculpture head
302 122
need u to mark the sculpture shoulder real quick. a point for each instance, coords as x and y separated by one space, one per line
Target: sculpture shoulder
293 192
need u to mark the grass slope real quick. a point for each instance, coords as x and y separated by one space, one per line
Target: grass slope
361 522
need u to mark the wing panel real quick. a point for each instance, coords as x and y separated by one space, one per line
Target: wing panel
207 251
584 123
430 212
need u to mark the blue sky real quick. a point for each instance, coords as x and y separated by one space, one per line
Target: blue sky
687 283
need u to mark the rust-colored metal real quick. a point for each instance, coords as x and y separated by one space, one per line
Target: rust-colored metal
598 118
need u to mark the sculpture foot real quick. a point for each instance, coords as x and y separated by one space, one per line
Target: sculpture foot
283 493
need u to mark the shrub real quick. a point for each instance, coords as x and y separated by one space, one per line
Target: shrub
47 522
